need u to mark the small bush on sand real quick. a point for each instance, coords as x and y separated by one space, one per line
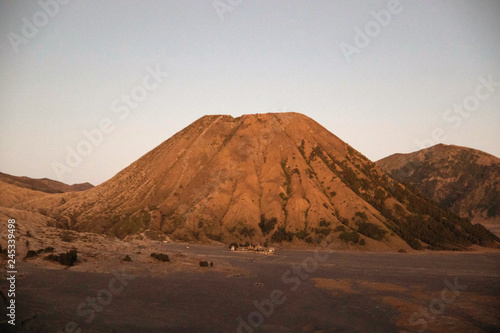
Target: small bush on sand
31 253
203 263
160 257
67 258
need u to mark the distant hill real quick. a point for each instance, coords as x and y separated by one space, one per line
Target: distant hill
265 177
43 185
462 179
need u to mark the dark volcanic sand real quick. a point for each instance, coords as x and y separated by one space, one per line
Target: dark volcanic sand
355 292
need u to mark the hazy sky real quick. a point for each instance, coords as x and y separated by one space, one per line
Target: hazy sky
63 73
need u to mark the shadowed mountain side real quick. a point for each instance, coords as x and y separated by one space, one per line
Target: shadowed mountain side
465 180
277 177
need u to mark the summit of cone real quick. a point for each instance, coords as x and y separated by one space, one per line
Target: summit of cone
263 177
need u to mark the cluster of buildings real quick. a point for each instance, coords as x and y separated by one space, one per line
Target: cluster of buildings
251 248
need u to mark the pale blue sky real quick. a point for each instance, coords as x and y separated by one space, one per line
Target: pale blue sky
264 56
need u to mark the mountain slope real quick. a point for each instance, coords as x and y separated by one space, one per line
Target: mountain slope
44 185
465 180
10 195
261 177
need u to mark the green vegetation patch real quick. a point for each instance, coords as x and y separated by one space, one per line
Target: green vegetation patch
349 236
267 225
371 230
281 235
67 259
